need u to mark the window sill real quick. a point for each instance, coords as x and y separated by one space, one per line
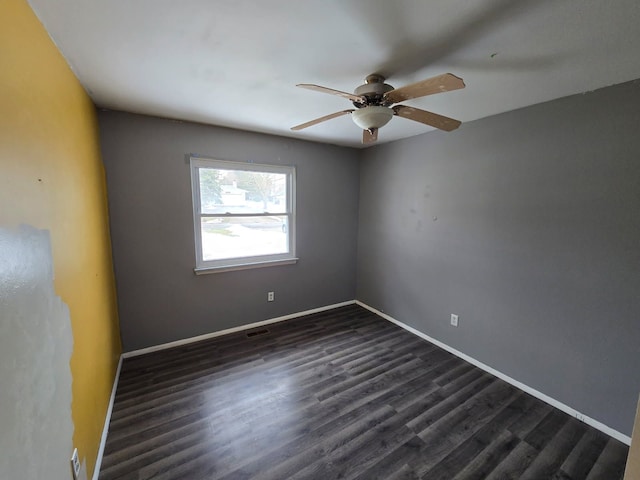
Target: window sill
244 266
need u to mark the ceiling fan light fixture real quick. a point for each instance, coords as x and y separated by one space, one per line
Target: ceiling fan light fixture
373 116
373 99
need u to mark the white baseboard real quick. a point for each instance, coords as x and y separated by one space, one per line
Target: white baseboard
531 391
105 430
185 341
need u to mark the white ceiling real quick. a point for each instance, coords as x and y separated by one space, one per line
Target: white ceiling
236 62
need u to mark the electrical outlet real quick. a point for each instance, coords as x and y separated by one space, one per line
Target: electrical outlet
270 297
454 320
75 464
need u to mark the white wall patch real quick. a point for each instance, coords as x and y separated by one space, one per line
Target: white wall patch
36 342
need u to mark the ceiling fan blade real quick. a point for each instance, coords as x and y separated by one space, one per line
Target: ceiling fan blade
331 91
439 84
369 136
428 118
321 119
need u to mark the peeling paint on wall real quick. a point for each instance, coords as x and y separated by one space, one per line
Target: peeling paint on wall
36 341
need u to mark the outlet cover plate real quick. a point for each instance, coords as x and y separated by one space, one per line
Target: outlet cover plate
75 464
454 320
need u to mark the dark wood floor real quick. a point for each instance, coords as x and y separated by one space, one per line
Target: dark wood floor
340 394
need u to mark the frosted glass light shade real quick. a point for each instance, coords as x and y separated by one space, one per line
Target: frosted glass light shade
373 116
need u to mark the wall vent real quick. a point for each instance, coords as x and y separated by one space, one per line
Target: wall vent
255 333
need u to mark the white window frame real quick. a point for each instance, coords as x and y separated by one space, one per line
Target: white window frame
241 263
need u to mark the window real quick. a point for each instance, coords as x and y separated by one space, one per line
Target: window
243 214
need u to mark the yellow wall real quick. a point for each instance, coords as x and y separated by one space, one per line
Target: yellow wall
51 177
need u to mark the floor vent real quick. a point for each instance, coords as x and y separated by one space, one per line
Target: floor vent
255 333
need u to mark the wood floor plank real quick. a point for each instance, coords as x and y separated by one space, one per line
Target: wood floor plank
396 461
550 458
468 450
458 426
515 463
318 443
404 473
487 460
340 394
610 463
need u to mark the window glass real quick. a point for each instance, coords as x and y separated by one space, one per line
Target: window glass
243 214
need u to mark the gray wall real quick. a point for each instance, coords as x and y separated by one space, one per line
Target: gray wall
149 187
527 225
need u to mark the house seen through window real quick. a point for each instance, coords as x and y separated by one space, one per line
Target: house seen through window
243 214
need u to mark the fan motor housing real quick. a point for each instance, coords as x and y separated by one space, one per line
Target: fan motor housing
373 88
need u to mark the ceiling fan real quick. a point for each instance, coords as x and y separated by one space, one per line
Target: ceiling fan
373 102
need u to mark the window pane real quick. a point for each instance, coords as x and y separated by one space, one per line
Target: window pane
237 191
244 236
244 212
